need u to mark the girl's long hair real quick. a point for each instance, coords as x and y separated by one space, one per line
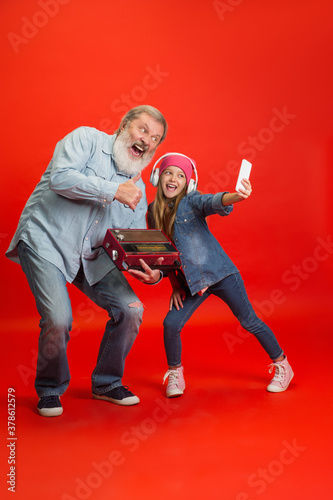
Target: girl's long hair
165 210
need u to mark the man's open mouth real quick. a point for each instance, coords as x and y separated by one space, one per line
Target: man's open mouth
138 150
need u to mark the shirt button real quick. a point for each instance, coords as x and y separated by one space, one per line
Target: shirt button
96 221
86 239
185 220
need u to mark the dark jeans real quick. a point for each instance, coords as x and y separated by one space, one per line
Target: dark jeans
232 291
112 293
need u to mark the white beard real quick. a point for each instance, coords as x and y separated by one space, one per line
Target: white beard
126 164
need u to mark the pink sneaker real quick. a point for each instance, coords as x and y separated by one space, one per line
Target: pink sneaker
176 382
282 376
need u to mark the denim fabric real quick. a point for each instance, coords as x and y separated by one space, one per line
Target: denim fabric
204 262
67 215
112 293
232 291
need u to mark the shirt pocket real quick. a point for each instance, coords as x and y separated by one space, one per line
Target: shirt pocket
96 166
187 223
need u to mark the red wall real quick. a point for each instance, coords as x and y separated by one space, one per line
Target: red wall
234 79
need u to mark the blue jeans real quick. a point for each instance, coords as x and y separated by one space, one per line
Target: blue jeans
112 293
232 291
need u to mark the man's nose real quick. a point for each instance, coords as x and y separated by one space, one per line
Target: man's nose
146 141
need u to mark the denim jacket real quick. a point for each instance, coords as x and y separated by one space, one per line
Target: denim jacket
204 262
67 215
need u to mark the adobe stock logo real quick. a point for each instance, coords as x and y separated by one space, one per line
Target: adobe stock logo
249 149
293 277
265 476
30 27
154 76
102 470
87 311
225 7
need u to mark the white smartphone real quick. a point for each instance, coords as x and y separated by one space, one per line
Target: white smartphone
244 173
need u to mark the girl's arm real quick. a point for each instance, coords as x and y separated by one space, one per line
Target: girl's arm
178 293
230 198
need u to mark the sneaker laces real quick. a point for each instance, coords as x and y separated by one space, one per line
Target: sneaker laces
280 372
173 377
49 401
124 390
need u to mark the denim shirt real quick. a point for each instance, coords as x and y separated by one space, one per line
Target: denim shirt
204 262
66 217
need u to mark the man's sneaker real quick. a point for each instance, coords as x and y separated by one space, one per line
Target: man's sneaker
49 406
176 382
119 395
282 376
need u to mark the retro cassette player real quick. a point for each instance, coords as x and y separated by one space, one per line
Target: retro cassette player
127 246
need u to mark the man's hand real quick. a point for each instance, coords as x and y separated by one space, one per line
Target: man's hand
149 275
128 193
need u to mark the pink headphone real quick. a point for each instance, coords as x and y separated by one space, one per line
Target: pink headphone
155 173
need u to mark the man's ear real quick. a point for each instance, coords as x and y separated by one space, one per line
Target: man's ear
123 126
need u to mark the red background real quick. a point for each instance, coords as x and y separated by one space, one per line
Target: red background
219 72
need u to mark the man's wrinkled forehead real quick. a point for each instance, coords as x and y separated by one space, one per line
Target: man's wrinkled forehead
152 125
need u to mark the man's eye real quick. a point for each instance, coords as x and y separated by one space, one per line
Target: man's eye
154 139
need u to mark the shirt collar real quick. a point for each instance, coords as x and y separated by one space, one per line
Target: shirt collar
108 144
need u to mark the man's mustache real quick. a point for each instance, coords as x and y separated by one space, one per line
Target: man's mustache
141 145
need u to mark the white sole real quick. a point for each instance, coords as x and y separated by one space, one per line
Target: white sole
275 388
50 412
133 400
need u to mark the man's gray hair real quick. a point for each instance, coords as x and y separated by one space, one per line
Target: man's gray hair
134 113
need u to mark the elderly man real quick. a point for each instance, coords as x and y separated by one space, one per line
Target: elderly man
91 184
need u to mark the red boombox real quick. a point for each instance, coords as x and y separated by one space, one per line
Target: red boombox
127 246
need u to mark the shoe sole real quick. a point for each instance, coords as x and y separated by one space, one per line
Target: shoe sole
133 400
276 389
174 394
50 412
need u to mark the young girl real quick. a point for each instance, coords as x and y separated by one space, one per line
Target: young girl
181 211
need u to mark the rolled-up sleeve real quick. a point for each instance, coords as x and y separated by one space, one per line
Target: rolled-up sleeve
209 204
217 205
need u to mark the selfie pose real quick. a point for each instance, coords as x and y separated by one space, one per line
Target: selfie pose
181 211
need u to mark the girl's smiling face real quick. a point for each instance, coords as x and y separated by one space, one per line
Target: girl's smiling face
172 181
